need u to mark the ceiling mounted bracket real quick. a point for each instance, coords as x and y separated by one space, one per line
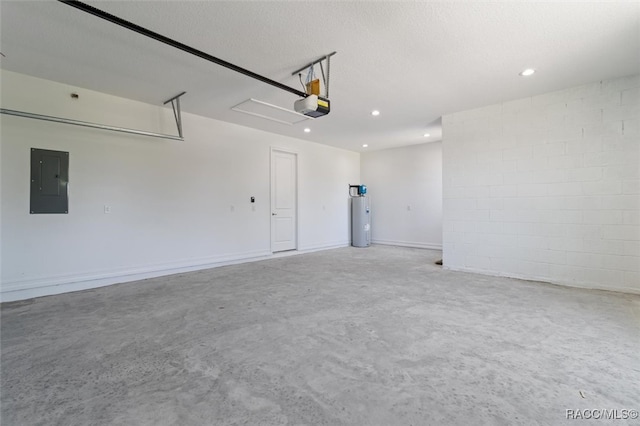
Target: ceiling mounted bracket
324 78
175 104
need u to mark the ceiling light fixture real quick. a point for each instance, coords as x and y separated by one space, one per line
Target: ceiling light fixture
426 135
364 145
307 130
375 113
527 72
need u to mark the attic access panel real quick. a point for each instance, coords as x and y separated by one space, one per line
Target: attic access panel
270 112
49 181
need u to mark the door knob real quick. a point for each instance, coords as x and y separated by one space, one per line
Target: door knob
274 214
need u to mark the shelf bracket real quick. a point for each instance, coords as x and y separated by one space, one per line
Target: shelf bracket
175 104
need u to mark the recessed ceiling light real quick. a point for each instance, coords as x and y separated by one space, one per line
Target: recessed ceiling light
527 72
364 145
375 112
307 130
426 135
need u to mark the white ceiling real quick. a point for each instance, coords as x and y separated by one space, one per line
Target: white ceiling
414 61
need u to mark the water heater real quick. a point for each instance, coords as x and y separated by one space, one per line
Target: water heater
360 217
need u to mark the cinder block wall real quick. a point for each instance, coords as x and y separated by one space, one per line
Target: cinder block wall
547 187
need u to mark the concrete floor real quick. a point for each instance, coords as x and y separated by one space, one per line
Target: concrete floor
377 336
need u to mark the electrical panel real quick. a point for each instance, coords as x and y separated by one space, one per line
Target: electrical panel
49 181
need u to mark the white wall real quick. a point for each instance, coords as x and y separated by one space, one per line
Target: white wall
547 187
171 201
405 186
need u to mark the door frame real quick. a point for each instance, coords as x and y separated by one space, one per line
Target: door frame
295 208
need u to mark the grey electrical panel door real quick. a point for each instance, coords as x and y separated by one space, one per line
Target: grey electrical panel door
49 181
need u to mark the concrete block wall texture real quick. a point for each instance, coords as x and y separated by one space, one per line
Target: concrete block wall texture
547 187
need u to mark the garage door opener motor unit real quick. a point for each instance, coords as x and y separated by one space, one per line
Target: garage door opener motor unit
312 106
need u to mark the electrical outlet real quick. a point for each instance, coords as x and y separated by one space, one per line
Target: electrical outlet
107 209
233 208
409 208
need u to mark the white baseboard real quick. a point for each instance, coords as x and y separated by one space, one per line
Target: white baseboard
619 289
324 246
429 246
27 289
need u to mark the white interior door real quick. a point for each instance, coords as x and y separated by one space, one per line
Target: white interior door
284 202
